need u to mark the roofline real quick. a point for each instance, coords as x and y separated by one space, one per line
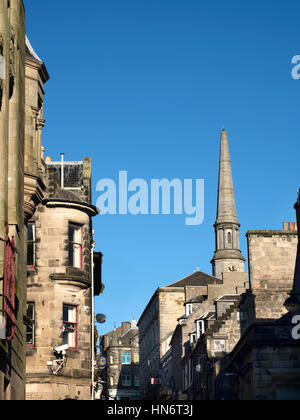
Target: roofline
186 277
271 232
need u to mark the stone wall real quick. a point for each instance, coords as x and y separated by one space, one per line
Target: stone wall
272 257
12 120
51 283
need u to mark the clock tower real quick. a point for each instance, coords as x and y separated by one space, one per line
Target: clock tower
228 257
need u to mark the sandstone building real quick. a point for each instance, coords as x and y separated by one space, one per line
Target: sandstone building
243 351
121 376
22 77
265 364
45 237
60 263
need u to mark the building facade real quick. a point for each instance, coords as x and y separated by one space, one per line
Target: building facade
60 261
21 184
121 375
247 351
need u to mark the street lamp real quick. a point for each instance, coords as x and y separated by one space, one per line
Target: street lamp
101 319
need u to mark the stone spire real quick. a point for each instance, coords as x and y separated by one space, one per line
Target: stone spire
228 256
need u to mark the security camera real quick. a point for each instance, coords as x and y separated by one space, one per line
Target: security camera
62 349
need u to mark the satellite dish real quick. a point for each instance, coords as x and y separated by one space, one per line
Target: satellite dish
100 318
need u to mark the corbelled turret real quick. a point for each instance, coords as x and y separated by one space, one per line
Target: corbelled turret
228 256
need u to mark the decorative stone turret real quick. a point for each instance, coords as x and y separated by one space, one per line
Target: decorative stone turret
227 256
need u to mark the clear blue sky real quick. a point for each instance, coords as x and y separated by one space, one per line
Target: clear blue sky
146 86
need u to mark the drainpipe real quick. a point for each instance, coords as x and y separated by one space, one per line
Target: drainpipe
93 319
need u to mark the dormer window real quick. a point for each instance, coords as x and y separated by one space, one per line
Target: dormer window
193 338
75 246
200 328
188 309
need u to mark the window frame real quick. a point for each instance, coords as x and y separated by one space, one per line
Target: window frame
71 323
129 378
33 326
78 228
189 309
128 353
200 327
33 242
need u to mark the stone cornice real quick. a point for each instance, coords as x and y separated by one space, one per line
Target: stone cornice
33 194
72 277
86 208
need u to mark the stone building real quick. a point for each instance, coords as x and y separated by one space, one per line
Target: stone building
163 324
22 77
265 364
244 344
59 296
157 324
121 377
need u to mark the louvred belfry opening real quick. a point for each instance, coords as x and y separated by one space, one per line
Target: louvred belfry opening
9 286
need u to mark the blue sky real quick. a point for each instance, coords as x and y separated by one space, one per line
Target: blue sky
147 86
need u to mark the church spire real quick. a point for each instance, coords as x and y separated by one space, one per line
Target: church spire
228 256
226 202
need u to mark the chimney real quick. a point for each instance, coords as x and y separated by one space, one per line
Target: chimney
285 226
48 159
291 226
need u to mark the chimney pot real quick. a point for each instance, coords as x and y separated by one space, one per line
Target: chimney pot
291 226
48 159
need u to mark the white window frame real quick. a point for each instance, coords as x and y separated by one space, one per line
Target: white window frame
71 322
200 326
76 244
189 309
126 354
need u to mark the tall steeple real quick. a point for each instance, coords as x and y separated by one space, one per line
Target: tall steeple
227 256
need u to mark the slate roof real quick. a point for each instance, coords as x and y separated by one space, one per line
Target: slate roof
198 278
